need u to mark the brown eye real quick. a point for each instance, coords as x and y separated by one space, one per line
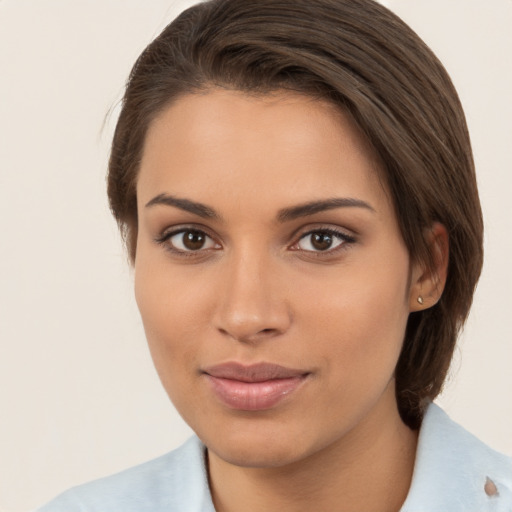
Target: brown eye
191 240
322 241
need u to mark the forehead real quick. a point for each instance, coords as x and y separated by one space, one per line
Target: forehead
227 144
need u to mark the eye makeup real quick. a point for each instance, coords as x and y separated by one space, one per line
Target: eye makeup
194 241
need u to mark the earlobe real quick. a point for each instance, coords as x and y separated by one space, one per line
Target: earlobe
427 283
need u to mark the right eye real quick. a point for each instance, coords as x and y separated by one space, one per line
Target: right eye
188 240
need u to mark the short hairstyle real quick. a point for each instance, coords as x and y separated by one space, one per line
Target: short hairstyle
367 61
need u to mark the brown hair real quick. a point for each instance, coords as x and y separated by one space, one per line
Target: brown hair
363 58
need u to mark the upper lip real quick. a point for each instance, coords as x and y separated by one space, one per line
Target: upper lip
259 372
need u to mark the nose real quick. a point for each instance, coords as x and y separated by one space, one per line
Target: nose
251 303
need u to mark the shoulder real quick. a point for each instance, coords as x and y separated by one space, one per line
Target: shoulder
453 467
172 482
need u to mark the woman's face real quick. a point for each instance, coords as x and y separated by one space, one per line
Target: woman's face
270 273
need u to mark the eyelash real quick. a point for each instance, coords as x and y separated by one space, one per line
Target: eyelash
344 239
165 237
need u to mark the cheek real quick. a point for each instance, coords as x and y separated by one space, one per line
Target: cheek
357 320
171 310
356 334
171 306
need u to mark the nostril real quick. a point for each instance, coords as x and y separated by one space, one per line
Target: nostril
247 335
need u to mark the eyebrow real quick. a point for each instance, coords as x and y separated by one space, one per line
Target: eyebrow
303 210
284 215
184 204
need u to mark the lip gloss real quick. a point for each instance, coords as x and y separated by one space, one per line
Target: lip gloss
253 396
254 387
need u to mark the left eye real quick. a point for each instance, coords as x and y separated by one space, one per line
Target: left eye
190 240
321 241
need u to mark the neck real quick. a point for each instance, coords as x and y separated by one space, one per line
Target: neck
369 469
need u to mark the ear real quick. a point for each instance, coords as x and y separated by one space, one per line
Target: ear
427 284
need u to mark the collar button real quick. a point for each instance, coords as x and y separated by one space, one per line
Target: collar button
490 488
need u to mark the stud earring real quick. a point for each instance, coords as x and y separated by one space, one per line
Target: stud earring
420 300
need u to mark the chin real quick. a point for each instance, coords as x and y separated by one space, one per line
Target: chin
260 443
258 455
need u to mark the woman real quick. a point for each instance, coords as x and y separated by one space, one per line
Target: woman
295 185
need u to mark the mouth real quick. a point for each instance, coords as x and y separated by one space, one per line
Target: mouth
253 388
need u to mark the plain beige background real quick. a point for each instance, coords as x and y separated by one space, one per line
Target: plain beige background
78 395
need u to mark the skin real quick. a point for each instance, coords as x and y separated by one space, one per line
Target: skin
258 290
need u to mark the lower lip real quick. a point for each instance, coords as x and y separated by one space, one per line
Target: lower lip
253 396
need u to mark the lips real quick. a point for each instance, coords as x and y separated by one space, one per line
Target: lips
255 387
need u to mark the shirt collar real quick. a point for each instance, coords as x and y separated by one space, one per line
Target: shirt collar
450 472
452 467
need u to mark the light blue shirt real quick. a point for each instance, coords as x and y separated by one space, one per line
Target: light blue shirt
451 470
